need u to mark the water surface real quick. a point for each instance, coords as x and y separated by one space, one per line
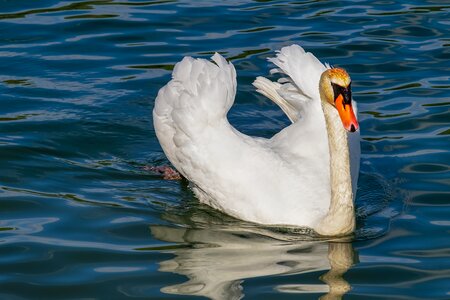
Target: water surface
80 217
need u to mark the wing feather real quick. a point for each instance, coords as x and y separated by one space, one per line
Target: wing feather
302 67
199 94
300 84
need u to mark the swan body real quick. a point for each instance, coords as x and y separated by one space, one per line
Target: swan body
284 180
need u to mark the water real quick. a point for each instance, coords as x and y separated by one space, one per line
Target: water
81 218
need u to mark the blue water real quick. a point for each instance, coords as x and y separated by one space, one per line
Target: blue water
80 217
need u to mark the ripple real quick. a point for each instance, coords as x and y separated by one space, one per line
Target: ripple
80 216
27 226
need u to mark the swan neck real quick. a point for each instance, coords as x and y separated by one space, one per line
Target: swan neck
340 219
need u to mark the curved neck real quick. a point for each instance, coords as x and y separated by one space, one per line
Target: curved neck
340 219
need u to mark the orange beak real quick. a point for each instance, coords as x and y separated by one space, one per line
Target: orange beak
346 113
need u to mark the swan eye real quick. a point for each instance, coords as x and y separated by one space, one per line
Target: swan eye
345 92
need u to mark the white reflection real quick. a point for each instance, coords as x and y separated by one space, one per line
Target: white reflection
217 261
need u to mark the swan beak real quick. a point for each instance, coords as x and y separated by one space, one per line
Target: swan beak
343 105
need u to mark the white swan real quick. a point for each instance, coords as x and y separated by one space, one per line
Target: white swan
305 175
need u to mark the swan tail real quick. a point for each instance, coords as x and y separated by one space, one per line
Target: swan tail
199 94
302 68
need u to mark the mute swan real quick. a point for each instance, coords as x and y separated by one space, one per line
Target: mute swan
305 175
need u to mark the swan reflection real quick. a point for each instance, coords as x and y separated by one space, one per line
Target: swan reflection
216 261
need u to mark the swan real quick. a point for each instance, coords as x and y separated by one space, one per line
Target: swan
305 175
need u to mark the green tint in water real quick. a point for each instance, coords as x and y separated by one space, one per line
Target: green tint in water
81 218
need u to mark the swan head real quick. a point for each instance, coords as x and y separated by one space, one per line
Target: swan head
335 89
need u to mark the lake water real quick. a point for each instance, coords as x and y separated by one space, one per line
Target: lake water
80 217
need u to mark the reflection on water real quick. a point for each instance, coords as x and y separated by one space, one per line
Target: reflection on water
217 261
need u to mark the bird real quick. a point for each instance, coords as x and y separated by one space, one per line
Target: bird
303 176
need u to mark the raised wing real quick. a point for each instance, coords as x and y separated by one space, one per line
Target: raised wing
198 96
303 69
300 84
